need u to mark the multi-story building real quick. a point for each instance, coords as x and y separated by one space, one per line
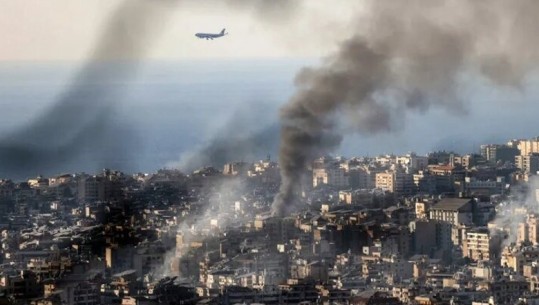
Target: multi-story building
456 211
148 257
424 182
90 188
235 168
332 175
22 285
84 293
527 147
516 259
385 160
329 172
496 152
533 228
529 230
522 233
361 196
74 293
360 178
395 181
422 209
412 162
528 163
477 245
404 293
507 292
466 161
477 187
445 177
431 237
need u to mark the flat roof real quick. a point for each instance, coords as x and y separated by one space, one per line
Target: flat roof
452 204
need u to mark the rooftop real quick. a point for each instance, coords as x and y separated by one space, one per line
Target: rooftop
451 204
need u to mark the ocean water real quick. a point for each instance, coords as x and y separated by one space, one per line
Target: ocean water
159 113
164 113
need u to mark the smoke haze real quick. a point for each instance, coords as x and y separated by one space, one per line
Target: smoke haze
83 116
404 56
245 136
226 147
217 214
513 212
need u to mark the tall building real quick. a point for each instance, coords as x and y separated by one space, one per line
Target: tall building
328 171
395 181
528 163
527 147
148 257
424 182
431 237
532 224
475 187
99 187
90 188
522 233
496 152
466 161
477 245
445 177
359 178
456 211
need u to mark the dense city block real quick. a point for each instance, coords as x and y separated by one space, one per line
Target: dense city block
443 228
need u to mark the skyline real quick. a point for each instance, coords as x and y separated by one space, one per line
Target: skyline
358 152
161 104
113 27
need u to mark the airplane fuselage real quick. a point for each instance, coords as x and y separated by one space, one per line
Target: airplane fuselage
211 36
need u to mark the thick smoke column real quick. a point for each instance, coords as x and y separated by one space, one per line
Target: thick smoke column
404 55
83 116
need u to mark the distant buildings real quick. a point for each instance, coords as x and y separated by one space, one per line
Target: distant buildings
392 229
498 152
396 181
329 172
527 147
236 168
528 231
528 163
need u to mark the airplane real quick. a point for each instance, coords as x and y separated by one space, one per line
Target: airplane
210 36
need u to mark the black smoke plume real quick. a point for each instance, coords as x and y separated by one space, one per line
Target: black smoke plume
403 55
83 118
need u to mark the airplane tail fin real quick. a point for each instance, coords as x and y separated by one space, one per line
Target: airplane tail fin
223 32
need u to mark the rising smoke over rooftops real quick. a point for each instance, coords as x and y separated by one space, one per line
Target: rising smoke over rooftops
402 55
83 116
228 146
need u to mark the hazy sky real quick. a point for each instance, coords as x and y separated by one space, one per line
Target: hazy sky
177 107
66 30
